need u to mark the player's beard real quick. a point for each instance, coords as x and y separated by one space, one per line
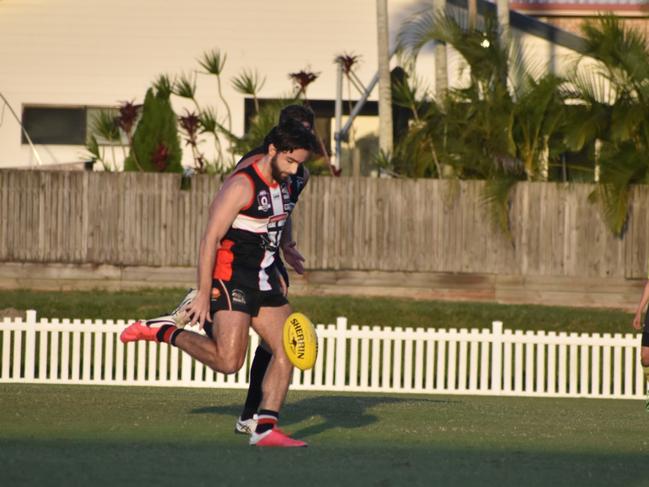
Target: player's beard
278 176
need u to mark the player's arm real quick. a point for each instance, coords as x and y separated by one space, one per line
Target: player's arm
637 319
234 195
291 255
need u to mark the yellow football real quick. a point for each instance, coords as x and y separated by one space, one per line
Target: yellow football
300 341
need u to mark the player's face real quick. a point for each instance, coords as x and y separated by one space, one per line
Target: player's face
285 164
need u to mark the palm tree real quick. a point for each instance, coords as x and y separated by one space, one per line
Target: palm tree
385 90
613 112
490 129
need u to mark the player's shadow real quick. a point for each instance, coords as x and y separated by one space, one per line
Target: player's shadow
347 412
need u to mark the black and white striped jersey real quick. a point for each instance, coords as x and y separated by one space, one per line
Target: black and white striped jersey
249 249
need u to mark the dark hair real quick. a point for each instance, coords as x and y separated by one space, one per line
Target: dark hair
288 136
300 113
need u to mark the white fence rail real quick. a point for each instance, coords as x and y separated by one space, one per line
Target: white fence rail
368 359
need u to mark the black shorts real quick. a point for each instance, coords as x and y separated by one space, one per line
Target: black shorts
645 331
228 295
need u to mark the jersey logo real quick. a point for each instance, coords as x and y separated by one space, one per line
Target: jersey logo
238 296
263 200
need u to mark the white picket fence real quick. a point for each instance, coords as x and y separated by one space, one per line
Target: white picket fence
367 359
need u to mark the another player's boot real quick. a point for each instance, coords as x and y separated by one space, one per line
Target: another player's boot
150 330
246 426
275 437
178 315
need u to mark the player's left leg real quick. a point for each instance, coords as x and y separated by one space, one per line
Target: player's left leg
269 324
247 422
644 359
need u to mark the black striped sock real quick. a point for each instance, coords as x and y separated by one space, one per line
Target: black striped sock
266 420
257 372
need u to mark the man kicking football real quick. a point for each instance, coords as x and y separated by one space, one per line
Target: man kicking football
247 421
236 283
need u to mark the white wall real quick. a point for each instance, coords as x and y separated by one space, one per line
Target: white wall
100 52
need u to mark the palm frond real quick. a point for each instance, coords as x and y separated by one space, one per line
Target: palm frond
163 86
208 120
213 61
621 48
248 82
104 125
185 86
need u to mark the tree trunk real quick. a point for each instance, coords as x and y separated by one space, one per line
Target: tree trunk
385 88
473 13
441 70
502 7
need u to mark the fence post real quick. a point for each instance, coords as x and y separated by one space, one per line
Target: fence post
341 351
496 355
30 344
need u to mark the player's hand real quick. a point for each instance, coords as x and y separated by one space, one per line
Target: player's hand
637 321
293 257
198 311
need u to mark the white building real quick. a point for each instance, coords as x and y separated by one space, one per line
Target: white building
62 59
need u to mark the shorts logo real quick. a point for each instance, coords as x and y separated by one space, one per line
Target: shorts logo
215 293
263 200
238 296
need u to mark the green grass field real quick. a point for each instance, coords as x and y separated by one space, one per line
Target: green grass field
325 309
95 436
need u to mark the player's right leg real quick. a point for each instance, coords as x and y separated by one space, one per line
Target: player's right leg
223 351
269 324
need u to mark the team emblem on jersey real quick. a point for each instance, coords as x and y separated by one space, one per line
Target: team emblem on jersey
263 200
238 296
285 192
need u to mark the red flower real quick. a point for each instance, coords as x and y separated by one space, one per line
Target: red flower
128 113
160 157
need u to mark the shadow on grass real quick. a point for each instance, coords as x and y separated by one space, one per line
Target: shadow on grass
347 412
109 463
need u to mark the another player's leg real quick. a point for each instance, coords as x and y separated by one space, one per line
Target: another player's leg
269 325
247 422
644 358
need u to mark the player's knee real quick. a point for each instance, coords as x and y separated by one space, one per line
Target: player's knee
232 362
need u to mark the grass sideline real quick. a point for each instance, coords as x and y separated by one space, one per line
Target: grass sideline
109 435
325 309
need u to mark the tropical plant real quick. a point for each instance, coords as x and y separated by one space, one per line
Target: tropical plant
249 83
190 123
213 62
613 114
104 131
494 128
302 79
156 145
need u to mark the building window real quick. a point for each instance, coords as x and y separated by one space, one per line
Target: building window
55 125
